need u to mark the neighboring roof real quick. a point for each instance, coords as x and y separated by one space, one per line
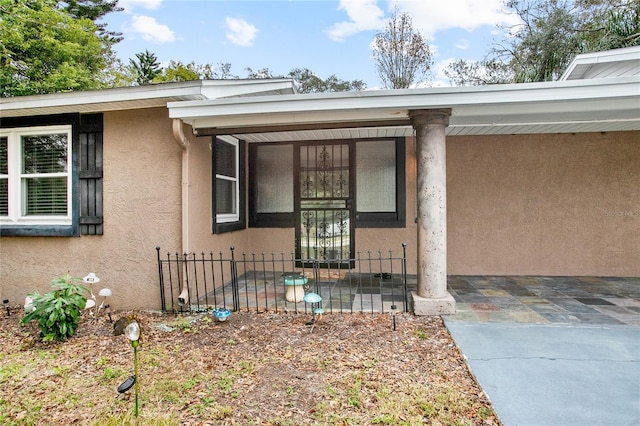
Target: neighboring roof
147 96
609 64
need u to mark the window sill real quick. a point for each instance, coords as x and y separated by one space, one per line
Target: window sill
39 231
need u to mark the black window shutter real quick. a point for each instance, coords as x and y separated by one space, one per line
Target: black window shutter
91 208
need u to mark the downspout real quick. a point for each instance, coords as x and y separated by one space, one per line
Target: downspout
181 139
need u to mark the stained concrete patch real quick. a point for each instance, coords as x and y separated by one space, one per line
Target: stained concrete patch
550 374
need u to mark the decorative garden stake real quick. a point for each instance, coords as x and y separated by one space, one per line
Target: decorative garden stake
393 316
132 331
317 311
222 314
91 279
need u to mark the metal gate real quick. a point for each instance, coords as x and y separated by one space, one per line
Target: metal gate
324 190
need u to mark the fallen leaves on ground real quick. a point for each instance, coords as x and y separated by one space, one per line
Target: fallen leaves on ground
253 369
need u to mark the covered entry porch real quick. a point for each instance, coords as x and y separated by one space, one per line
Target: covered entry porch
431 118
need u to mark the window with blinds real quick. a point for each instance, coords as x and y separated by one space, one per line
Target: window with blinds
35 175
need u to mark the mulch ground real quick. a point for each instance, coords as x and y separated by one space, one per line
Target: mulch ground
255 368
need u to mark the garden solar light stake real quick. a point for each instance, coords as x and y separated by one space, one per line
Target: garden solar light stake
132 331
393 316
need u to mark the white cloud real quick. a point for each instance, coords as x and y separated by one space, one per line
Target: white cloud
433 16
130 5
364 15
440 79
428 17
240 32
150 30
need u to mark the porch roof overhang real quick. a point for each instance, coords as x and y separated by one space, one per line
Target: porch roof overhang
594 105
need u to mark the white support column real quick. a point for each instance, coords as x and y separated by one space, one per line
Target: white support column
432 297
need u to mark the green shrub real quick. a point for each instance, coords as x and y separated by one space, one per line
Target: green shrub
58 312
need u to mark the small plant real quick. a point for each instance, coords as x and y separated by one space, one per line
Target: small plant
112 373
225 383
420 334
58 312
354 394
185 325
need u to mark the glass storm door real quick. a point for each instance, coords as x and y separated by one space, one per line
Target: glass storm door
324 225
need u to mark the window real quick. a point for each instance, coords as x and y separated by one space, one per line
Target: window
380 184
36 176
271 180
228 165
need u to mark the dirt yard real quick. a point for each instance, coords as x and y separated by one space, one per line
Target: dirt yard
254 369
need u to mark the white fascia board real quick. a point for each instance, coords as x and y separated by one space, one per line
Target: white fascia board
212 89
121 94
393 104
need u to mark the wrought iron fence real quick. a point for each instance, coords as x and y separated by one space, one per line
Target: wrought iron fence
367 282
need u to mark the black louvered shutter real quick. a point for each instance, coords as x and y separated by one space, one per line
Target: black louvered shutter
91 209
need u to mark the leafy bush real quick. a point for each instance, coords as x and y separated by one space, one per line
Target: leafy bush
58 312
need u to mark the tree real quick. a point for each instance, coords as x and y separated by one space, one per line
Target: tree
615 26
179 71
550 34
473 73
306 81
553 32
94 10
544 43
45 50
401 55
145 68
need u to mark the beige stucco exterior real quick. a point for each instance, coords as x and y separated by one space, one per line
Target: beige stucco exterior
558 204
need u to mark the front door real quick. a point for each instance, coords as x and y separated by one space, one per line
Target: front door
324 207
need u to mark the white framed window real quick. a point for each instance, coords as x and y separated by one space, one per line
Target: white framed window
227 173
36 176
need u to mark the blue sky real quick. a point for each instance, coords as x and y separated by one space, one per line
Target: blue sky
326 36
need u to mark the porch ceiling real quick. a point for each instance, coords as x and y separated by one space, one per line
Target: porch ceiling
603 105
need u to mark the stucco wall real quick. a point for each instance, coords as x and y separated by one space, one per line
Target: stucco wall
565 204
141 211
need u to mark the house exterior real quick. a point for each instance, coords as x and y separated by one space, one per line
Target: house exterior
522 179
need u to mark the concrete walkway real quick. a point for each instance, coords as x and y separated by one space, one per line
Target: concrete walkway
567 369
556 375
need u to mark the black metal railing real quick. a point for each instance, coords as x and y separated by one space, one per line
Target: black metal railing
375 282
